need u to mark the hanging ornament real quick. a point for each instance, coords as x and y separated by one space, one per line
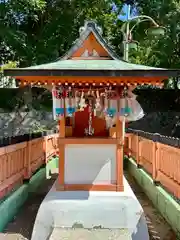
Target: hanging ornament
91 98
125 108
89 131
58 102
110 108
106 103
98 105
70 102
82 103
130 109
110 103
77 100
137 111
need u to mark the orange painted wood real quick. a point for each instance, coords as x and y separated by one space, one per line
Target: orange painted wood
89 44
112 132
168 162
119 155
36 153
28 161
68 131
12 179
80 79
61 164
119 130
119 167
87 187
160 160
62 128
90 58
15 147
62 133
133 146
19 161
12 166
169 183
51 146
154 167
87 141
45 146
147 154
127 145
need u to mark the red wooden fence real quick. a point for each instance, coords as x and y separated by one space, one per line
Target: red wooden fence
161 161
19 161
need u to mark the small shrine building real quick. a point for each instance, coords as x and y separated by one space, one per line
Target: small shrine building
92 161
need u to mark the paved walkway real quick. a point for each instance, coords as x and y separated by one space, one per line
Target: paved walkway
21 227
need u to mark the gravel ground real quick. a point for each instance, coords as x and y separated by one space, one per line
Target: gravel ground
21 227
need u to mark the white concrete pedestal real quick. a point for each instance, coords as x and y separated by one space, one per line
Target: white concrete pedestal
87 215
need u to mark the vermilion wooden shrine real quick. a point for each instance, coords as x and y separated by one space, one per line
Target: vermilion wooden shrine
90 66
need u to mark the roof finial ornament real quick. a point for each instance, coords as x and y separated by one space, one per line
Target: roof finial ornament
90 25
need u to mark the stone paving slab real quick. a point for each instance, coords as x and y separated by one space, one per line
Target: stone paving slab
85 234
11 236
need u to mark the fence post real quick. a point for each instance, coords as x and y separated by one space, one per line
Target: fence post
156 167
155 160
28 160
138 151
129 145
45 148
56 144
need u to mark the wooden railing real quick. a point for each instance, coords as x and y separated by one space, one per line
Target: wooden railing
19 161
160 160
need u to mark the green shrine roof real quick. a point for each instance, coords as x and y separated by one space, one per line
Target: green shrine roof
91 65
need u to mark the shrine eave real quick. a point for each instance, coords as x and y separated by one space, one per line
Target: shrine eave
20 72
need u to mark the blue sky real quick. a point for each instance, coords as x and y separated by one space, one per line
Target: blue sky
123 16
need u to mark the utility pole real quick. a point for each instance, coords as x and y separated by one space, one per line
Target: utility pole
127 30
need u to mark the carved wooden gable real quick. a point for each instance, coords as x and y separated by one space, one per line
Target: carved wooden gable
91 48
90 44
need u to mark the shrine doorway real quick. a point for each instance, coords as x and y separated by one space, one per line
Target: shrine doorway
81 121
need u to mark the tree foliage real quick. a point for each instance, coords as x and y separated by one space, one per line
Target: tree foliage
38 31
160 51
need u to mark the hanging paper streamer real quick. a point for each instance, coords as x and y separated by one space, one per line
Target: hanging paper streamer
82 102
110 108
125 107
70 102
110 104
98 105
130 109
106 103
90 130
58 102
137 111
77 100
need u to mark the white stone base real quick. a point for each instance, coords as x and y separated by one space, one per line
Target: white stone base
73 212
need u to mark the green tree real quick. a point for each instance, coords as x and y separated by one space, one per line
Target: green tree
164 51
39 31
13 14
